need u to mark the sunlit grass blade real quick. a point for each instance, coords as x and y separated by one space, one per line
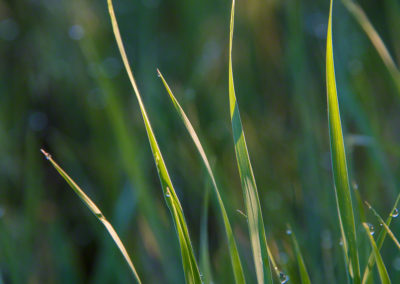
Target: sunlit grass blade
374 37
383 274
96 211
234 254
381 239
382 223
192 274
305 278
339 164
252 202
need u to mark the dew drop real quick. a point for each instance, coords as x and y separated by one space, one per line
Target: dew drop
341 242
395 213
371 229
288 232
283 278
168 195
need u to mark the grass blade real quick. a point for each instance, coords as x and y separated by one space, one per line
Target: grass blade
205 264
96 211
376 40
252 202
339 164
383 274
305 278
382 222
234 254
192 274
381 239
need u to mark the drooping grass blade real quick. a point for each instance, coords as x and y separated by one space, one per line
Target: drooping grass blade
339 164
382 223
234 254
305 278
96 211
252 202
383 274
376 40
381 239
192 274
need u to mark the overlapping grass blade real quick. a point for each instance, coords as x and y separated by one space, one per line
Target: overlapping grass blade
381 239
96 211
382 222
339 164
383 274
305 278
252 202
376 40
192 274
236 264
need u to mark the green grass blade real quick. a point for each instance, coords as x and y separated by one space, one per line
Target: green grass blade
205 264
192 274
381 239
383 274
234 254
376 40
305 278
339 164
252 202
96 211
382 222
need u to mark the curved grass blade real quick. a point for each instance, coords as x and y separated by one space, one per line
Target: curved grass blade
234 254
252 202
192 274
376 40
96 211
339 164
382 222
383 274
305 278
381 239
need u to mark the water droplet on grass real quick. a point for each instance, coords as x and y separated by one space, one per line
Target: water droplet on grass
395 213
283 278
371 229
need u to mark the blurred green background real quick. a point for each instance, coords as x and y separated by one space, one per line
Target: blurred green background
63 88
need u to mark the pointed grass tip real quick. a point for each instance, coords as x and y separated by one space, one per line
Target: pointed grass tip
47 155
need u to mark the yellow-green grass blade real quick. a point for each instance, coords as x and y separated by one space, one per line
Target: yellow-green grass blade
305 278
192 274
96 211
383 274
252 202
385 226
374 37
234 254
381 239
339 164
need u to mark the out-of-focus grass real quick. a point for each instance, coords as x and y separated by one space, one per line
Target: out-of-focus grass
62 87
